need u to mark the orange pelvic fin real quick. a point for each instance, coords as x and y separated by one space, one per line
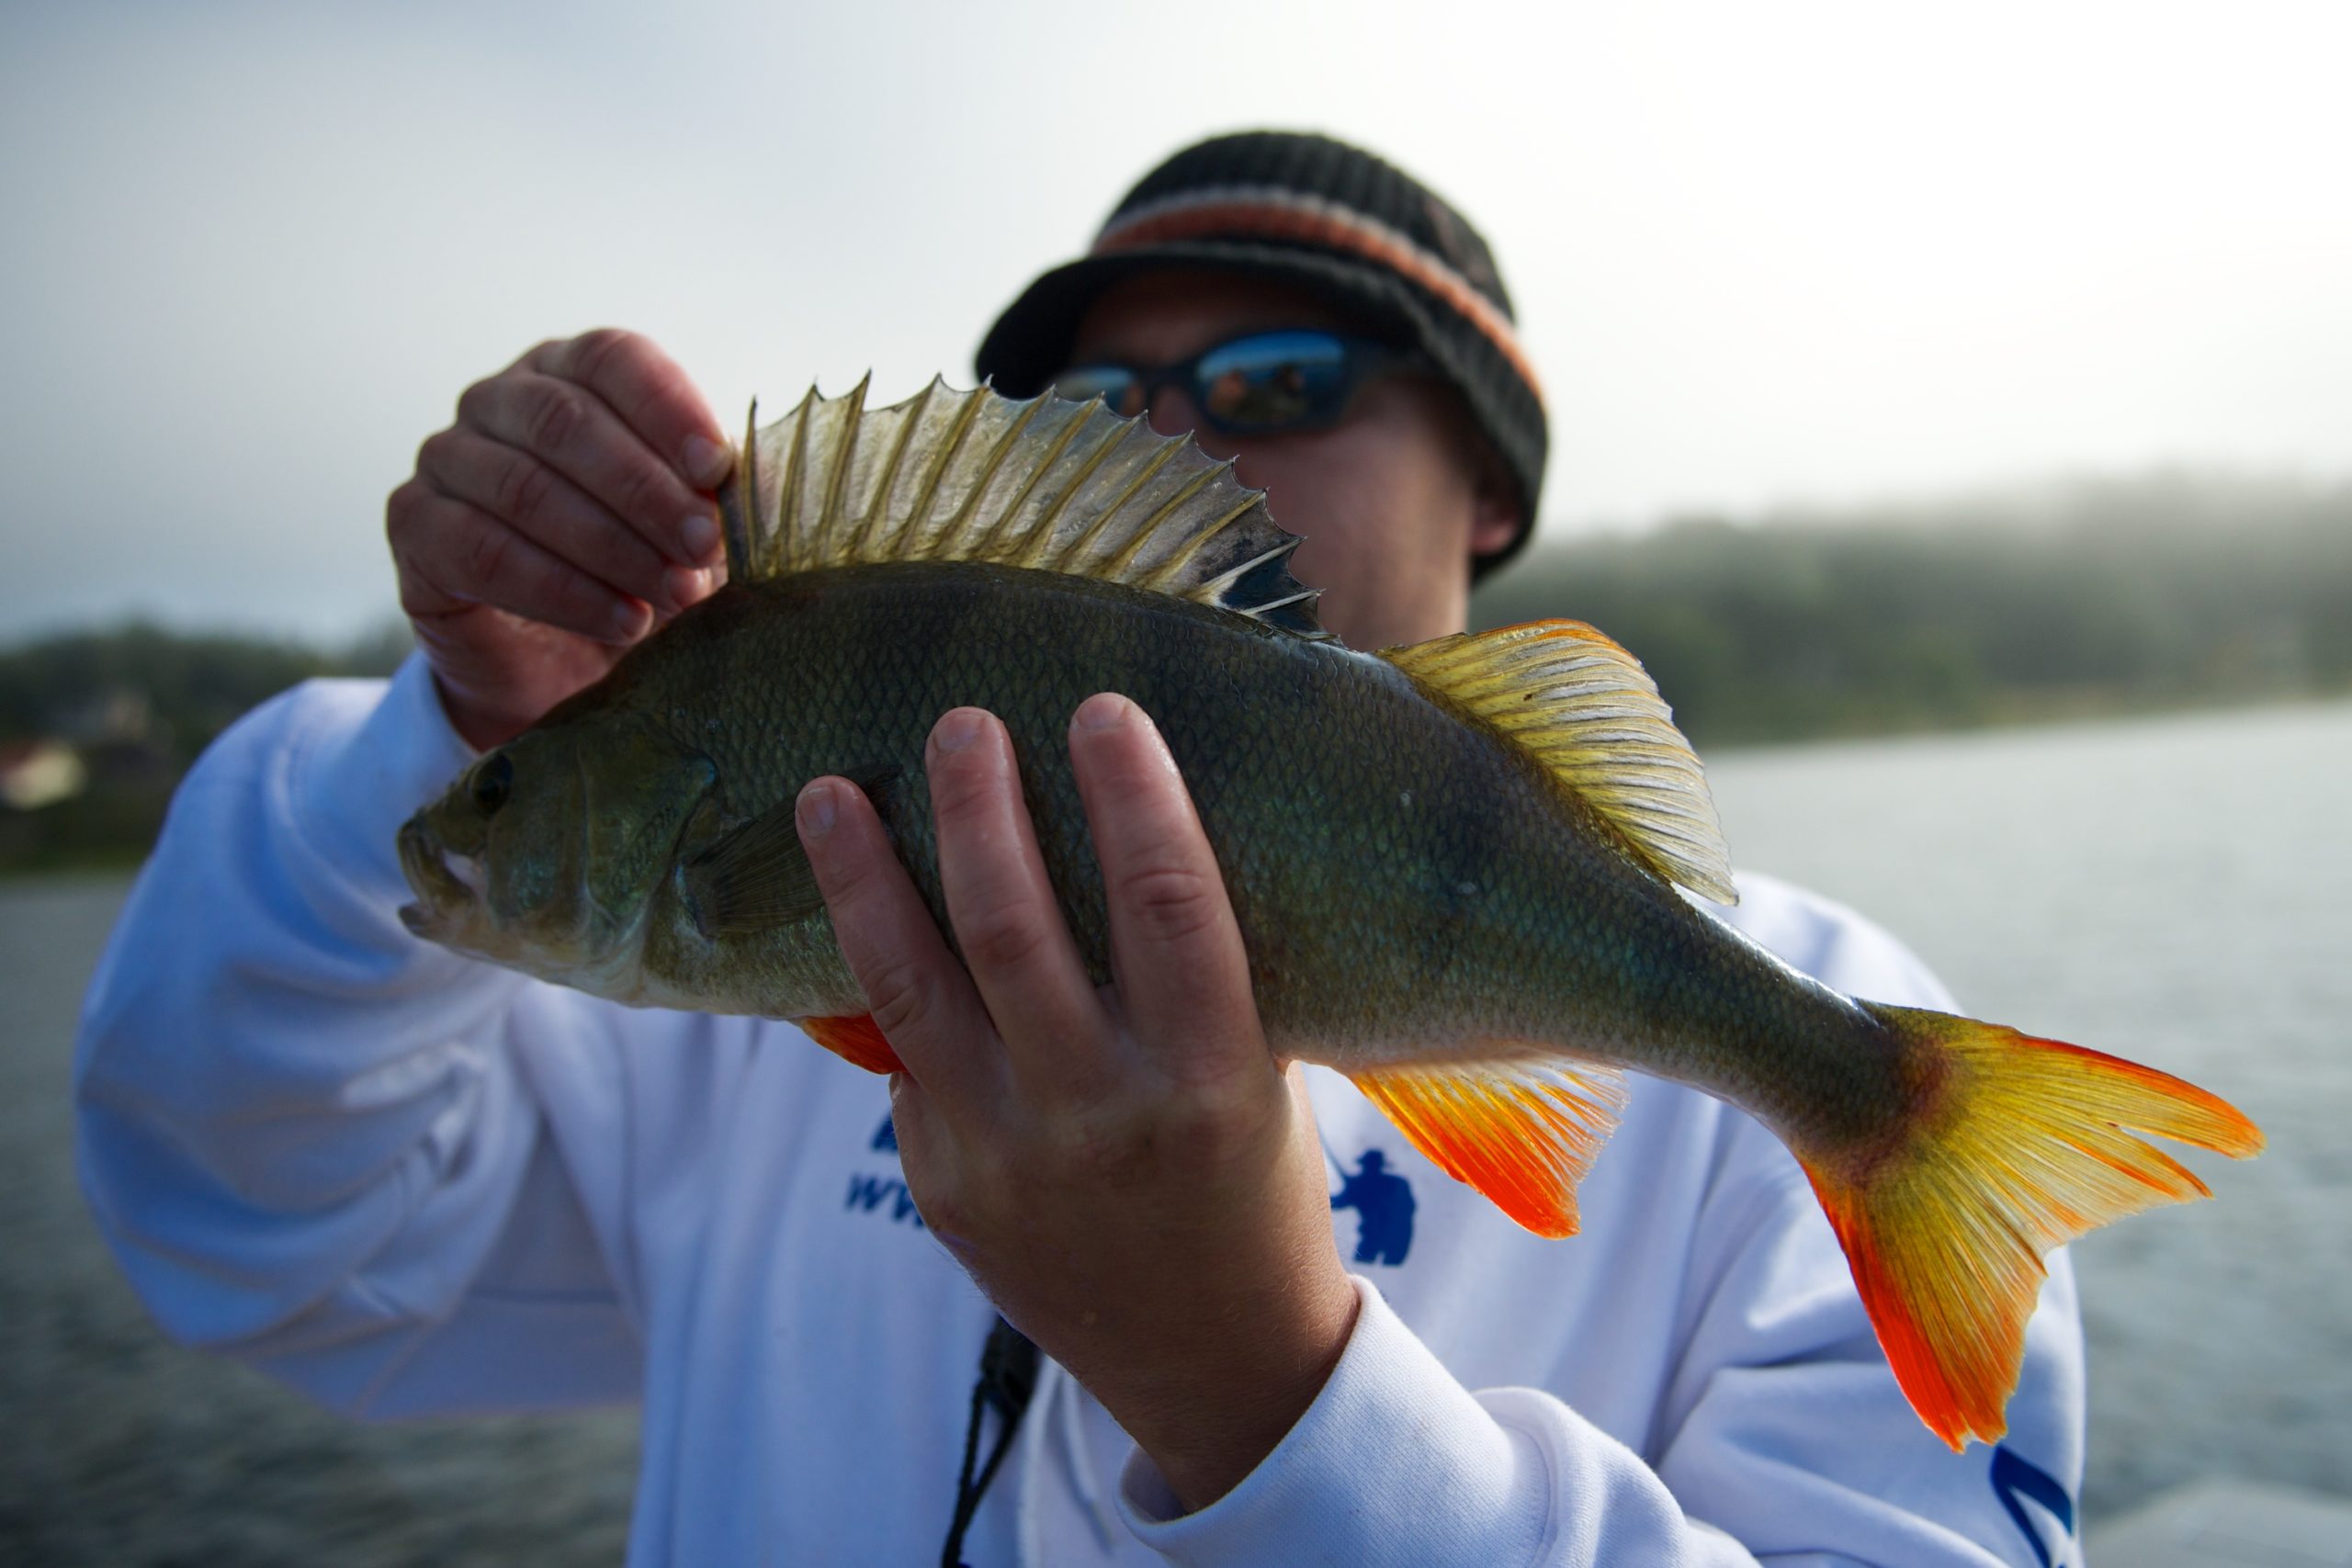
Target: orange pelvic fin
855 1040
2021 1148
1523 1131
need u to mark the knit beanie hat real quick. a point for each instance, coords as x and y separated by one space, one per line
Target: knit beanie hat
1335 220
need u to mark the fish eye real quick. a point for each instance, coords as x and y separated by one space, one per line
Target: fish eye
491 781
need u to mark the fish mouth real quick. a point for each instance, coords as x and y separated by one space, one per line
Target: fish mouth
448 884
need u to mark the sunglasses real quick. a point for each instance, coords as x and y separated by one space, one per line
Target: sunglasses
1263 384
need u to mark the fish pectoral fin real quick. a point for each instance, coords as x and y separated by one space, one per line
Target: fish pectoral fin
757 876
855 1039
1523 1130
1584 709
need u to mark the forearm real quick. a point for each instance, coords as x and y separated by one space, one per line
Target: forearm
1780 1437
1209 1405
1395 1463
275 1082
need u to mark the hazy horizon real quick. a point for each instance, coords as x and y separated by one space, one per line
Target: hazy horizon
1825 258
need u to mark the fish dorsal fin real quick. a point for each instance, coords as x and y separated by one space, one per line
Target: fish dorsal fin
1586 709
1039 482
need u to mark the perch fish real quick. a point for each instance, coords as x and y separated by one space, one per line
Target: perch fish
1454 864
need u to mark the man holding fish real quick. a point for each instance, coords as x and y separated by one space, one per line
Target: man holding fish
410 1182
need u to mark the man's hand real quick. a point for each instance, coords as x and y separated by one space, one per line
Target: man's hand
563 515
1126 1172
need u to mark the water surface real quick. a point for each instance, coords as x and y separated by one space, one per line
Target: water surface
2172 890
125 1450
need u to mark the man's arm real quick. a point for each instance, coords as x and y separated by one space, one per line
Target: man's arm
306 1134
313 1140
1783 1439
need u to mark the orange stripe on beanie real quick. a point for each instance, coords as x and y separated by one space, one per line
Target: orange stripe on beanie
1238 212
1334 221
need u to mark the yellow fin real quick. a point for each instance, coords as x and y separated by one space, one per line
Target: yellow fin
1586 709
2020 1145
1040 482
1523 1131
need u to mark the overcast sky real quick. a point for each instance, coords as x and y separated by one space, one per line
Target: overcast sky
1763 254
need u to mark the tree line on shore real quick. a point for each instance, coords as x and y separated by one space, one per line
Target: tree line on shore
97 727
2163 591
2167 591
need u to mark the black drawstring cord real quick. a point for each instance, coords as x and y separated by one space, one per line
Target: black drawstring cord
1008 1377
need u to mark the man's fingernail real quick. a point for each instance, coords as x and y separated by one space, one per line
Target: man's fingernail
698 533
957 730
707 461
816 809
631 618
685 585
1104 710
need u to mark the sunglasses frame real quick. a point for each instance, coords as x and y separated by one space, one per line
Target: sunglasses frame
1362 359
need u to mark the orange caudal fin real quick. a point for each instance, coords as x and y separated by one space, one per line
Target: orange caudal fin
1523 1132
2022 1146
854 1038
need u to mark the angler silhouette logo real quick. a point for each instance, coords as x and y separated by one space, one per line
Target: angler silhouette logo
1384 1205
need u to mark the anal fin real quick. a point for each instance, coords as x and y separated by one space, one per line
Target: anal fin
855 1040
1523 1131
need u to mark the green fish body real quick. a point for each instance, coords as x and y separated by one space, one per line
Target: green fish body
1454 865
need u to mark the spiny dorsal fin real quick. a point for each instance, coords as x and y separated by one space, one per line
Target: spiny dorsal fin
1590 713
1041 482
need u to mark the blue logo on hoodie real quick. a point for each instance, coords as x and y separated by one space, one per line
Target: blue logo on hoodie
1384 1205
2014 1478
883 1194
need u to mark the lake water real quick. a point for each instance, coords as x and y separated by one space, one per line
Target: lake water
2178 891
2171 889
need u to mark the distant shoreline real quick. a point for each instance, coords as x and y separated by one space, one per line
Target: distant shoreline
122 861
2028 716
2115 600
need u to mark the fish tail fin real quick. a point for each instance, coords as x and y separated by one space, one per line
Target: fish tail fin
2020 1146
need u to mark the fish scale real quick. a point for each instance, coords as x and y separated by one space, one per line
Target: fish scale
1454 865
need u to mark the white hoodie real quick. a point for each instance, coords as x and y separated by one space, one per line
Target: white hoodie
408 1183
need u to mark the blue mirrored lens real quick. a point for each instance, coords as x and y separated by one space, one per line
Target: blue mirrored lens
1120 388
1274 381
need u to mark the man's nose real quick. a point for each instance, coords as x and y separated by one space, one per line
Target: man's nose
1171 411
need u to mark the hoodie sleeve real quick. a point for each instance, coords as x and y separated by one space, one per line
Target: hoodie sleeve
1780 1437
318 1144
